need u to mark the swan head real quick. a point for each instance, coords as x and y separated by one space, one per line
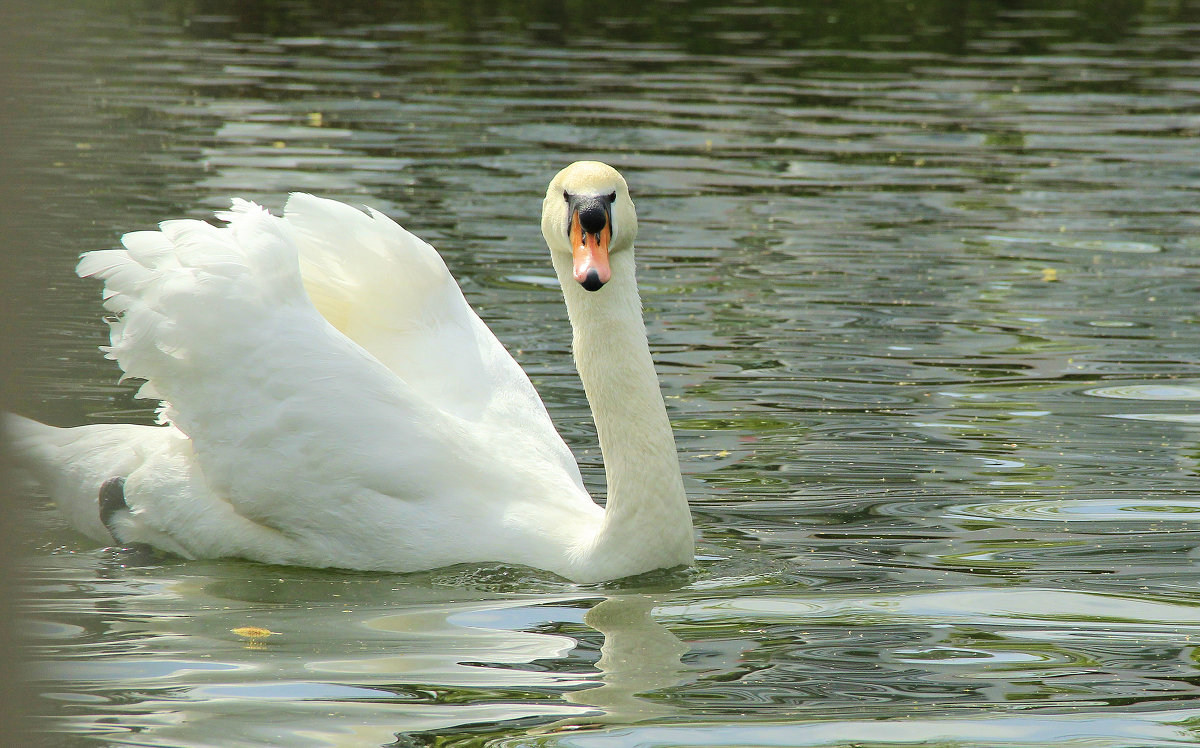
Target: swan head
589 215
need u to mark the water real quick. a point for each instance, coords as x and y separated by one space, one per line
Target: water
920 283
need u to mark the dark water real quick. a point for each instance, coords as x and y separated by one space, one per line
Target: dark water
921 280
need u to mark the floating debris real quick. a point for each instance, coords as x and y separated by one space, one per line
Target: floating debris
253 632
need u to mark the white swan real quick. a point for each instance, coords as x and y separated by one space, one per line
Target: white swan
330 399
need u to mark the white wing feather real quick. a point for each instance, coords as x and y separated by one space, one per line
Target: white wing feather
277 402
391 293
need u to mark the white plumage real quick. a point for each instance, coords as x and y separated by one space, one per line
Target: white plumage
329 398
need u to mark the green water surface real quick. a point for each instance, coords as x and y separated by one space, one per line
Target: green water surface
921 281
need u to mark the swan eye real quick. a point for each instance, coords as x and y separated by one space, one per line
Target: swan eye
612 196
566 196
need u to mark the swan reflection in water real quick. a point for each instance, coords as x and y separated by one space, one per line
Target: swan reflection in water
639 655
479 654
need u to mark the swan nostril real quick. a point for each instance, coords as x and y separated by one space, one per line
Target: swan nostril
592 281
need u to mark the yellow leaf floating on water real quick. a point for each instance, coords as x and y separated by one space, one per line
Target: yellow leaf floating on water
253 632
1049 275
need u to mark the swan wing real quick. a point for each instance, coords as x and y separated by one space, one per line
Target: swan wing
288 419
391 293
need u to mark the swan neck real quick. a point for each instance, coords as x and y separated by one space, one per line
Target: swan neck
646 511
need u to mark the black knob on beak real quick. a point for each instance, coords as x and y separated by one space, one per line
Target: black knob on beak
593 216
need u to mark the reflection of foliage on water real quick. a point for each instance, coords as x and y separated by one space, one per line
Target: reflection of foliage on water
706 26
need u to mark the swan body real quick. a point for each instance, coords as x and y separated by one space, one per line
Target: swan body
329 399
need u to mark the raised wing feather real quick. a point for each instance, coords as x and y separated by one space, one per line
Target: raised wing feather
275 399
390 292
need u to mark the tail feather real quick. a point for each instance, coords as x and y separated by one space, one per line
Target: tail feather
71 464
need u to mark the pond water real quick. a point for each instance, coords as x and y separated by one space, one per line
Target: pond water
921 284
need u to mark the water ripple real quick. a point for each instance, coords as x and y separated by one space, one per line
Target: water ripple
904 268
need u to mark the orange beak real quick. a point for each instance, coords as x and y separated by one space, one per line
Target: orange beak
590 252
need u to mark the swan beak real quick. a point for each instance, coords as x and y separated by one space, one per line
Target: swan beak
590 232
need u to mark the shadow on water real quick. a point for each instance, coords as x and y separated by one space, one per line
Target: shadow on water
919 283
